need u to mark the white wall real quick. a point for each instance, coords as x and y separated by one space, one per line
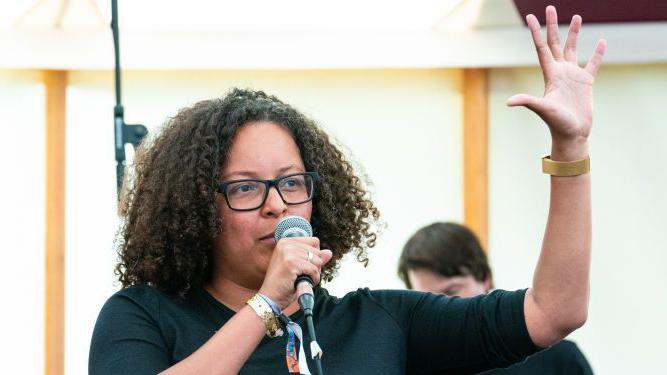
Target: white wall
400 124
22 198
628 306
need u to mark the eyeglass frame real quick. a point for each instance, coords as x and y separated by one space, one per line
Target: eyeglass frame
222 186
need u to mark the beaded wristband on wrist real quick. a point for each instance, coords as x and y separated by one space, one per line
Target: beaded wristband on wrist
264 311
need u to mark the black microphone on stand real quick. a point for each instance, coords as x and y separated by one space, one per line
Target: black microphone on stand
296 226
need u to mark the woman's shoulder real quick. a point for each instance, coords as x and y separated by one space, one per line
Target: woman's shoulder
139 292
136 297
372 293
382 308
385 299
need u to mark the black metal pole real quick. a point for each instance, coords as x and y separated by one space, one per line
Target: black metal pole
118 109
123 133
116 47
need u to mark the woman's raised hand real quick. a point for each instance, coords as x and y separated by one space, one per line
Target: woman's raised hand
567 104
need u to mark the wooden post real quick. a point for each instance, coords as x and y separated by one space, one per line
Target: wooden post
475 151
55 83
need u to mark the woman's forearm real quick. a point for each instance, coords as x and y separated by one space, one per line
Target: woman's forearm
228 349
557 303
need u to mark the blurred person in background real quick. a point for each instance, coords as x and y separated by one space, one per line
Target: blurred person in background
447 258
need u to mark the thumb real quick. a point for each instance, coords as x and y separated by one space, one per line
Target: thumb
326 256
528 101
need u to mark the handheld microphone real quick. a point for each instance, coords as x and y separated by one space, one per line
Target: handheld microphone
296 226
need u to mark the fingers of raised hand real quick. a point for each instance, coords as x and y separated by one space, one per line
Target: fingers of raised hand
524 100
570 50
553 38
595 60
550 50
543 52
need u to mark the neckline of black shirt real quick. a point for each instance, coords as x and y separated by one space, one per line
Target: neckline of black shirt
320 295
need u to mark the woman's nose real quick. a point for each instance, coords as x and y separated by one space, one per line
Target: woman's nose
274 204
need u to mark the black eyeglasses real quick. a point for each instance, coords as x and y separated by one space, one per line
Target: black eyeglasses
250 194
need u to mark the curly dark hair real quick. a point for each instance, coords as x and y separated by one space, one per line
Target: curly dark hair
169 212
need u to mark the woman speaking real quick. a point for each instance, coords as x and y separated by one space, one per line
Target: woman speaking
208 289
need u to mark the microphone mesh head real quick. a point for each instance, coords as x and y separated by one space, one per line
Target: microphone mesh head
292 224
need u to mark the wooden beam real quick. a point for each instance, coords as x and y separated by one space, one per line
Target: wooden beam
475 151
55 82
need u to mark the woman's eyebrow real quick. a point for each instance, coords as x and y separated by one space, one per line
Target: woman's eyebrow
242 173
251 174
285 169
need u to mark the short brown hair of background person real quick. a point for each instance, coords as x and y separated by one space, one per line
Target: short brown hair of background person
446 249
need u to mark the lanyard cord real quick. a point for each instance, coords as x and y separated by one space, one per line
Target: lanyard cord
297 365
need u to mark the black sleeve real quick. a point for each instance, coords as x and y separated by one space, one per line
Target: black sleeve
460 335
126 340
582 366
567 357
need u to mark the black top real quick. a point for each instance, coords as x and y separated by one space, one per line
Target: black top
141 330
564 358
